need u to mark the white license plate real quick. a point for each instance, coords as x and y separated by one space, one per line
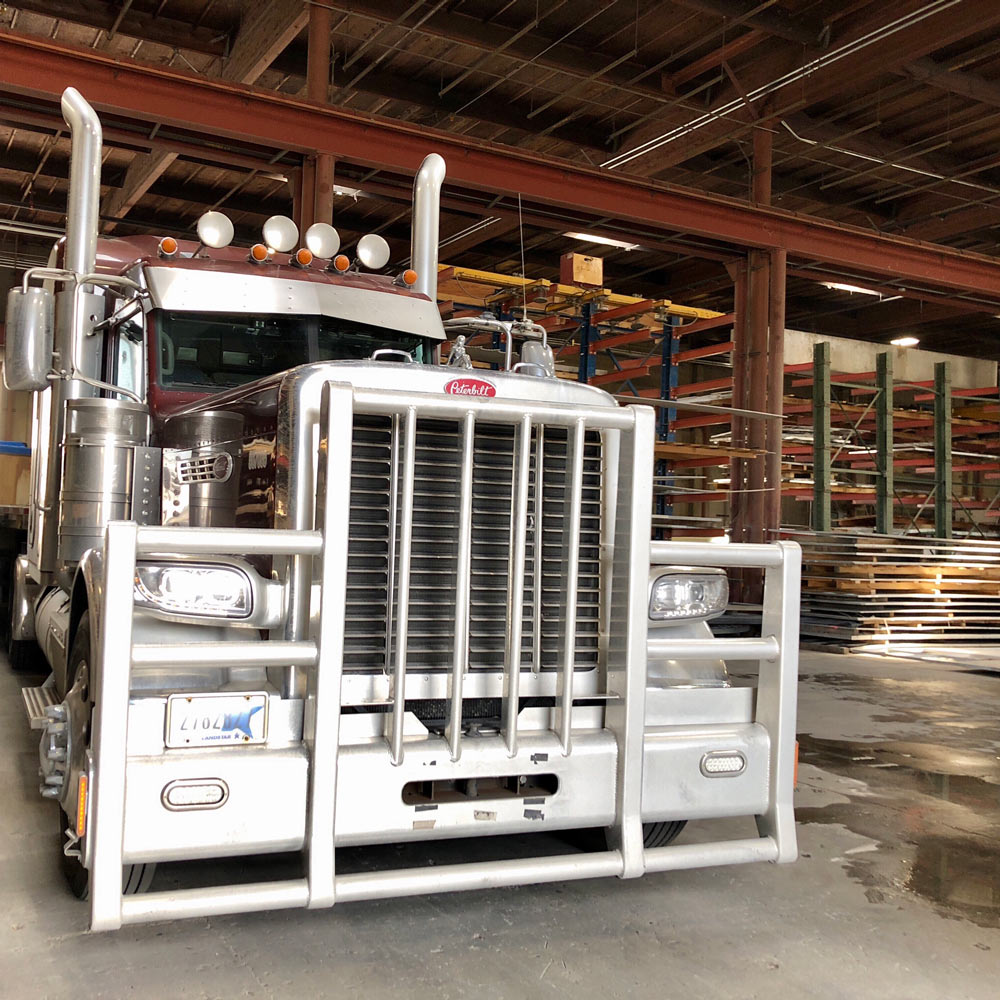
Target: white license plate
201 720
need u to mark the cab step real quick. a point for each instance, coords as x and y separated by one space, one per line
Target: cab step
36 700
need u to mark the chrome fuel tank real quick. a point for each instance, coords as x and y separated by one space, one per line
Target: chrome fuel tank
98 454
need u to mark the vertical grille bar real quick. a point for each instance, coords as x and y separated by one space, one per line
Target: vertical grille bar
390 573
403 586
515 582
573 501
538 550
463 573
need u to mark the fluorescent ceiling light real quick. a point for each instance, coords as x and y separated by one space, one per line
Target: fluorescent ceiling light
604 240
904 342
347 192
841 287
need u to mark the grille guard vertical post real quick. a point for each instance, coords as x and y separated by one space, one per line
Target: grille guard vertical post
573 494
110 726
515 583
626 657
321 719
777 652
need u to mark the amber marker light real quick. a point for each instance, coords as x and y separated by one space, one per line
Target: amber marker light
258 253
409 277
168 246
340 263
303 257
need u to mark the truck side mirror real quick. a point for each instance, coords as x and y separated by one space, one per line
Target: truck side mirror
29 335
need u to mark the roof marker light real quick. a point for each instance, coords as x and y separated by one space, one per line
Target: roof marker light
322 239
373 252
339 263
258 253
407 278
302 258
168 247
281 233
215 230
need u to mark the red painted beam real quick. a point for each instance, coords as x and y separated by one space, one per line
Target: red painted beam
703 352
685 422
635 309
990 390
699 325
41 69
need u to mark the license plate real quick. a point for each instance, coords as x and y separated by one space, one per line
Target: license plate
201 720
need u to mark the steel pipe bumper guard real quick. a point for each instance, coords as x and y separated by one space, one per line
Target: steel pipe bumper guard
325 790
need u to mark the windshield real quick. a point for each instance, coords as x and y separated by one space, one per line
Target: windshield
221 350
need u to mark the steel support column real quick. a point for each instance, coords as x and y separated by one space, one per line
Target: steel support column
775 390
757 389
942 450
760 185
737 423
883 444
588 333
821 514
318 66
665 418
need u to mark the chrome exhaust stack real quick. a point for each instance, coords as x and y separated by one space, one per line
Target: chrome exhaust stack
426 217
76 353
84 182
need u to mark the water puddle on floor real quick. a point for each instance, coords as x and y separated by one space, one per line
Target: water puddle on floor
934 808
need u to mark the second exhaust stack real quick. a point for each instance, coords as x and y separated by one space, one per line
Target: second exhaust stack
424 231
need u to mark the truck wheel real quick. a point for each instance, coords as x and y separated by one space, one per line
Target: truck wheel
661 834
135 878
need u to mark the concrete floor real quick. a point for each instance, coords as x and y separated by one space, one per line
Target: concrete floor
896 894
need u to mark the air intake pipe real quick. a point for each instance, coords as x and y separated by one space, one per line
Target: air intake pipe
426 216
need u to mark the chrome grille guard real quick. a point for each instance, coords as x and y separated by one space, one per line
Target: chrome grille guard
627 473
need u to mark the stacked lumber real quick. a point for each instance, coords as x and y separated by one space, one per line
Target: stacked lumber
860 588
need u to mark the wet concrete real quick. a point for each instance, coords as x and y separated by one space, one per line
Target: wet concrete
895 895
930 800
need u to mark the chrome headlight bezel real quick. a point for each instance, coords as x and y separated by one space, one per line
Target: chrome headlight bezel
262 605
692 606
194 589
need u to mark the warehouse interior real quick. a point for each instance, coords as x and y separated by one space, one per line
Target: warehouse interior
776 223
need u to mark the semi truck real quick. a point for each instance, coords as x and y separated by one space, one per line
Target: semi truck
302 582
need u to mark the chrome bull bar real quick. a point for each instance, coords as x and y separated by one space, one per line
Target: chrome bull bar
777 653
321 657
628 472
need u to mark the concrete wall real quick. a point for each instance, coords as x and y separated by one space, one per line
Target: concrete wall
909 363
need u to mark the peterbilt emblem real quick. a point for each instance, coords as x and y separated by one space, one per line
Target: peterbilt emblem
470 387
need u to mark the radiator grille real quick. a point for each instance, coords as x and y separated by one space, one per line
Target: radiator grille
373 551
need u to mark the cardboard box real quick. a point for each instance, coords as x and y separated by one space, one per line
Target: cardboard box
581 269
15 477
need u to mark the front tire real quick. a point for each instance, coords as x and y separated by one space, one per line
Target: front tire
135 878
661 834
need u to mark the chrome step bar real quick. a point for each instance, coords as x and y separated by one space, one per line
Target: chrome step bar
36 701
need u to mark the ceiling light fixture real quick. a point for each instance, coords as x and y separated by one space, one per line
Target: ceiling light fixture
904 342
604 240
841 287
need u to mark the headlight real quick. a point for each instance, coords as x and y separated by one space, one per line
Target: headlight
198 591
680 596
